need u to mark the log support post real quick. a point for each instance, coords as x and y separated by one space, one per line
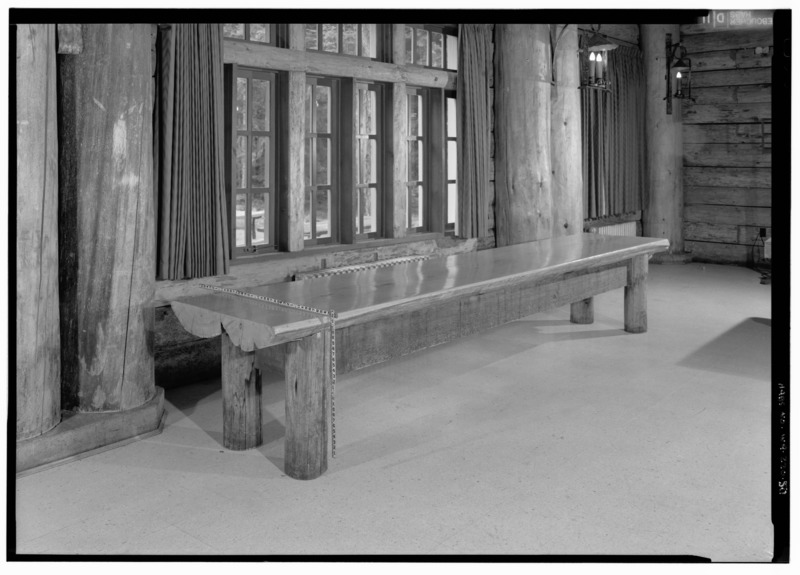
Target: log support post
241 397
582 311
636 295
307 378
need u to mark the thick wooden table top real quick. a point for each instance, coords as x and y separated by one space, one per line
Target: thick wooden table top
378 292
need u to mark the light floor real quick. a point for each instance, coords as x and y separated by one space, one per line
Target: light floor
538 437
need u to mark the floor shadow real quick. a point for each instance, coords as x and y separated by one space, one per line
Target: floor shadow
744 350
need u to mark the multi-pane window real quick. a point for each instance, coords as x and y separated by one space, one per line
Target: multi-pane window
253 179
452 163
348 39
321 161
263 33
368 177
416 174
430 46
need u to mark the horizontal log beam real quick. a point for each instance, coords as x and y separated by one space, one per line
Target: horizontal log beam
726 113
730 59
259 56
748 94
732 77
734 177
730 155
706 41
756 197
736 215
727 134
714 252
723 233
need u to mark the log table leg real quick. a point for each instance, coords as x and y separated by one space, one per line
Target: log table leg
307 379
636 296
582 311
241 397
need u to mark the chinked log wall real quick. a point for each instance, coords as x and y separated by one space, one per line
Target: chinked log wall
727 143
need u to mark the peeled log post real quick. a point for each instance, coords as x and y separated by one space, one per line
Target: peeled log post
524 203
38 385
662 216
106 220
565 136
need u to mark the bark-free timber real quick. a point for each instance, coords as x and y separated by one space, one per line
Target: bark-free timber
663 210
38 384
636 295
523 179
106 220
241 397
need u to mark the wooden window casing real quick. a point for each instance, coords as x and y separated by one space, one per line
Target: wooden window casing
430 46
451 161
368 150
257 33
370 40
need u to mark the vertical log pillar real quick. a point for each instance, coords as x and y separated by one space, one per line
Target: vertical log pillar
523 180
636 295
307 375
663 204
582 311
565 136
38 386
293 193
241 397
106 220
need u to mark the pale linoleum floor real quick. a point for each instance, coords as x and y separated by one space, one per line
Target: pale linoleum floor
537 437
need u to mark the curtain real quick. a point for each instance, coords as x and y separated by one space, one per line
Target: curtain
613 137
191 214
474 70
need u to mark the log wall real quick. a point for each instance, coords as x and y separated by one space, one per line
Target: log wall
727 136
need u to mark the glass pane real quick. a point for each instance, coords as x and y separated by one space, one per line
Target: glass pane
367 112
259 231
241 162
414 115
437 50
452 53
452 127
233 30
258 171
421 47
309 115
415 206
307 216
241 219
369 209
260 101
312 39
369 47
452 159
241 103
259 32
414 161
367 161
322 98
452 205
323 211
409 45
330 37
307 160
350 39
323 167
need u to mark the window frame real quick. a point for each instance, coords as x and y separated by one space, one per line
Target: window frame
380 184
429 28
450 228
273 34
425 171
380 40
232 73
334 186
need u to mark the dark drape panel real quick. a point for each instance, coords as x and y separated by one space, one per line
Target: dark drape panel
474 70
613 138
191 209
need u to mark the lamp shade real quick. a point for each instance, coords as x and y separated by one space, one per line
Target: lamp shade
597 43
682 65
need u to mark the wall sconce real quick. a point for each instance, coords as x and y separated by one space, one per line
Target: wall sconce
679 73
594 61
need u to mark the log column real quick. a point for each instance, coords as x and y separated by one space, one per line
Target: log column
38 385
106 220
565 135
663 203
523 186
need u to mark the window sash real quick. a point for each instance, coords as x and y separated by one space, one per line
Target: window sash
249 31
319 30
316 191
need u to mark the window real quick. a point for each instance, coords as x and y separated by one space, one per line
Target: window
430 46
321 161
368 199
416 173
253 201
262 33
451 150
349 39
